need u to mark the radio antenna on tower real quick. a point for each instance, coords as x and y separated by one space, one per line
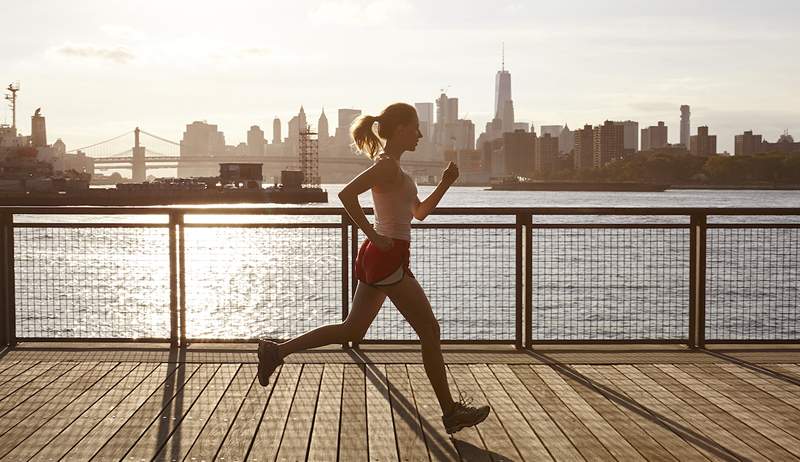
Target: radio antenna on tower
13 88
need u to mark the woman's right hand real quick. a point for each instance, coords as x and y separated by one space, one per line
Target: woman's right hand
384 243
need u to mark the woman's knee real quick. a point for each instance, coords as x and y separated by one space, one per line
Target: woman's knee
353 332
429 330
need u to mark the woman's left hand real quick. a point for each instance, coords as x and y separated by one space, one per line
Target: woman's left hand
450 174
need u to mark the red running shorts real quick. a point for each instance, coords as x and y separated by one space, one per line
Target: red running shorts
381 268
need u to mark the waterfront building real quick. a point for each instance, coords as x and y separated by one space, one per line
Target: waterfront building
583 147
747 144
552 130
255 141
608 143
654 137
785 145
566 140
425 115
519 151
685 124
545 154
631 136
703 144
276 131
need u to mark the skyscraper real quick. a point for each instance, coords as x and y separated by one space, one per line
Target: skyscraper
566 140
654 137
446 113
552 130
608 143
322 127
703 144
748 144
255 141
584 141
276 131
631 134
503 107
425 114
685 125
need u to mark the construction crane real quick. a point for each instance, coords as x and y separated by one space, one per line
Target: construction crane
13 88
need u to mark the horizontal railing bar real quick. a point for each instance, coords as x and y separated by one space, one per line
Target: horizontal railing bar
610 225
91 225
463 225
609 341
754 341
442 341
753 225
262 225
160 210
94 339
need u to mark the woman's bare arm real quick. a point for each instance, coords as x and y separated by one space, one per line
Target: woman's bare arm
424 208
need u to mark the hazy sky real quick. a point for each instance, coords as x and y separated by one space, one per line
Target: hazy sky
100 67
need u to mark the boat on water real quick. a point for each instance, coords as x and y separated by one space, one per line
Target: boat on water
237 183
518 184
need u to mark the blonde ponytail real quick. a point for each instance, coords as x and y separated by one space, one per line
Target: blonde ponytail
364 136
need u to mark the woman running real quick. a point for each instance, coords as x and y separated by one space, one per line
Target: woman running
382 261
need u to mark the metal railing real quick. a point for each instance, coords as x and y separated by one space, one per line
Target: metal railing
494 275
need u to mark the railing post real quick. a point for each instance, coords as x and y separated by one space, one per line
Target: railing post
345 269
528 299
697 281
181 279
8 311
518 251
352 266
173 278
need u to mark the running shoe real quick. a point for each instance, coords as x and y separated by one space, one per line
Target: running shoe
464 415
268 360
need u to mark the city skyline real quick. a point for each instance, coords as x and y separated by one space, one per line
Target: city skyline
160 76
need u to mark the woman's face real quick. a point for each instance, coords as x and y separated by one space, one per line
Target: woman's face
407 136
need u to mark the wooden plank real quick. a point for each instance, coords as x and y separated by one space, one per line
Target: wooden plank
705 418
37 411
605 433
153 435
756 405
212 435
243 429
749 396
380 426
86 422
270 431
408 430
353 443
9 369
29 382
143 403
494 436
753 420
539 420
626 425
325 431
5 364
39 400
186 431
440 445
521 434
297 433
678 447
583 440
786 392
468 441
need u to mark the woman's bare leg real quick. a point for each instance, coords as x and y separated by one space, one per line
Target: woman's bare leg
413 304
367 301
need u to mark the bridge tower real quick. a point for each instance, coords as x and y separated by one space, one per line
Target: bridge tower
309 157
139 172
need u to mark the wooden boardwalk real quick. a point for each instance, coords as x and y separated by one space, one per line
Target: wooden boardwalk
146 402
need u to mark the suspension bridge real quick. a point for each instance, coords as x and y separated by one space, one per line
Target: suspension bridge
139 150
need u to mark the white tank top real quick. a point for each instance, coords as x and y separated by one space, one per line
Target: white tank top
394 209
